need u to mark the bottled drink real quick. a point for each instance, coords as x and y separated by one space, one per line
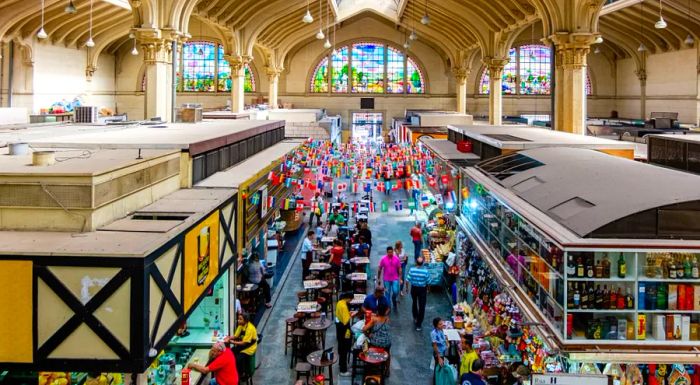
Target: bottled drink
687 268
621 302
679 269
591 296
599 270
571 267
590 273
672 270
695 273
629 300
584 297
606 265
606 297
613 299
661 296
598 302
577 298
621 267
569 296
580 272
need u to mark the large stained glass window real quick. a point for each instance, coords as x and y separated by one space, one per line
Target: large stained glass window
204 69
527 73
367 67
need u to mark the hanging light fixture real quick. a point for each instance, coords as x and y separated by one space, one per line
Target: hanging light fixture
308 19
70 8
425 20
90 43
596 50
689 39
42 34
327 44
134 51
661 24
642 47
320 35
598 40
413 36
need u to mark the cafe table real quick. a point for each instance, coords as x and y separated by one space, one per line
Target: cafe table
308 307
376 360
318 326
318 360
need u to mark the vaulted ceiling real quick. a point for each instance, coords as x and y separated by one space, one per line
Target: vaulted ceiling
456 27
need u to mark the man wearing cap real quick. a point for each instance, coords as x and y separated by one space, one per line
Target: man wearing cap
222 365
418 277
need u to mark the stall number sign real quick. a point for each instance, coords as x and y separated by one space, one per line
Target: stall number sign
569 379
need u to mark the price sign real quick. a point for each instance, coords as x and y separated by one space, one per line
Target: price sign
569 379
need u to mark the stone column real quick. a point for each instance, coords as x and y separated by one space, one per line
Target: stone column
495 67
89 73
642 76
461 74
157 56
237 64
273 75
571 50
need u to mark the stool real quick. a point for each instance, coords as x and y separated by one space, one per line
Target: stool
303 369
302 296
324 304
327 293
298 345
316 314
291 324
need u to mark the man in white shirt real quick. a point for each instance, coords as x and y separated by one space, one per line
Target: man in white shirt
307 254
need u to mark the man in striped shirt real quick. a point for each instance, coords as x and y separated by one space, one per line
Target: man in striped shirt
418 277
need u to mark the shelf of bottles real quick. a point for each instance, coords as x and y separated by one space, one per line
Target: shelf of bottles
622 296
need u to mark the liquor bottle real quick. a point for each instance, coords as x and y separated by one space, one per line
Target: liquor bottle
577 298
584 296
613 299
599 269
687 268
598 298
680 272
606 297
620 299
672 270
591 296
590 272
695 273
629 300
621 267
661 296
580 272
569 296
571 267
606 265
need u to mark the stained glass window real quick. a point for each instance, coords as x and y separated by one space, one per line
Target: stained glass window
395 71
414 78
224 74
376 68
534 76
340 70
249 79
368 68
199 66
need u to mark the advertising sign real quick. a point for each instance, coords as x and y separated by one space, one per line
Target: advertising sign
201 259
263 201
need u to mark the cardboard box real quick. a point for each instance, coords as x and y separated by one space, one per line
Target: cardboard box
694 329
641 327
669 326
622 329
681 297
673 296
677 321
685 328
658 329
689 297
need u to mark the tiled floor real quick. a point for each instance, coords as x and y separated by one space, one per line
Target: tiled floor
411 350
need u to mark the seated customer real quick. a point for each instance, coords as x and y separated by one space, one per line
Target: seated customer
256 275
221 364
245 344
373 300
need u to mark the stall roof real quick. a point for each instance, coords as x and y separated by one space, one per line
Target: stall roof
428 129
584 190
124 237
234 176
516 137
447 150
691 137
195 138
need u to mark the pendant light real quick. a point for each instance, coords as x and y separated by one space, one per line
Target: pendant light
425 20
598 40
413 36
42 34
320 35
689 39
90 43
661 24
308 19
642 47
327 44
70 8
596 50
407 42
134 51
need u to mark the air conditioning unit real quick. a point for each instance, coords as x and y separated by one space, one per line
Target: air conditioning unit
86 114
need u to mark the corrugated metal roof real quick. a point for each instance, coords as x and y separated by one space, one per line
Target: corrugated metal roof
584 190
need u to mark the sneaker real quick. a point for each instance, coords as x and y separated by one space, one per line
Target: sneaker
345 374
419 329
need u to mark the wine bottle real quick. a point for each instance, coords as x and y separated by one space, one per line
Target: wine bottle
599 270
613 299
569 296
695 273
606 297
606 265
571 267
580 272
687 268
621 267
629 300
598 298
591 296
584 297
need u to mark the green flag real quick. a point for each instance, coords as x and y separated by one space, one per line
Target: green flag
412 204
385 206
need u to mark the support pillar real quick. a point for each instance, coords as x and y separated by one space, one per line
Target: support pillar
570 89
273 75
157 57
461 74
495 67
642 76
89 73
237 64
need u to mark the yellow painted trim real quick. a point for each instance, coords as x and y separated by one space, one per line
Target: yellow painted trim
627 154
16 335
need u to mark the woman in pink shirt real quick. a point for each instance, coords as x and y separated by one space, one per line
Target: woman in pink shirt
390 272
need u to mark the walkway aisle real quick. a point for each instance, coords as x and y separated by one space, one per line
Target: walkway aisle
411 350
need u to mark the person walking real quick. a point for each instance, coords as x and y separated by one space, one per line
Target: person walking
418 277
256 275
417 237
316 209
307 254
401 253
390 273
342 331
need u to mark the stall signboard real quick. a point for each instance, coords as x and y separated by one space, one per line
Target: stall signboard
201 258
263 201
569 379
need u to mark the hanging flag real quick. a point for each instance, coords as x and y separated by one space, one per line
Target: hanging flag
342 187
453 196
271 175
385 206
270 202
326 207
409 184
355 188
438 199
445 179
372 207
398 205
287 204
368 187
396 185
424 201
412 204
300 206
431 181
255 198
465 192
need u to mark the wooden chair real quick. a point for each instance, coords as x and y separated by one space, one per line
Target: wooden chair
291 324
303 369
298 346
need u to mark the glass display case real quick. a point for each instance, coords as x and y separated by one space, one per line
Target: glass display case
590 295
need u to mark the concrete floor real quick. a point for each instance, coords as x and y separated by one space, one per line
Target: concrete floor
411 350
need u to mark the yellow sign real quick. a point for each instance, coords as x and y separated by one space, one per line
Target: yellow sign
16 311
201 259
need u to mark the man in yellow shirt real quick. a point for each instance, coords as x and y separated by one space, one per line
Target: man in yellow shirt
342 331
468 355
245 344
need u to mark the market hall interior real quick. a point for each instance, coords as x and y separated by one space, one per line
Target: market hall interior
206 191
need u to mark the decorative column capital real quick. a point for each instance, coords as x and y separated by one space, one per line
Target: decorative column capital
273 73
572 48
495 66
237 63
89 72
641 75
461 74
156 44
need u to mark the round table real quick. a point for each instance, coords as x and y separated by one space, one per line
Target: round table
318 360
319 326
375 357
